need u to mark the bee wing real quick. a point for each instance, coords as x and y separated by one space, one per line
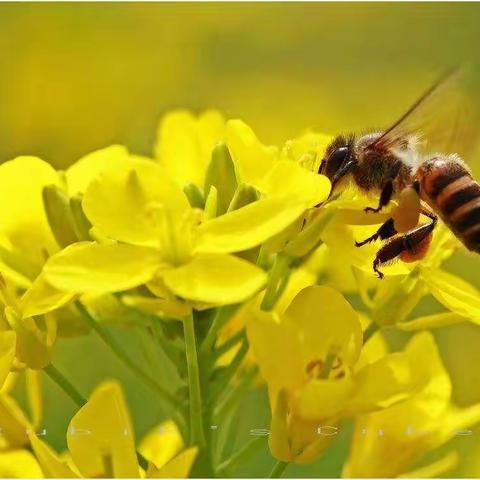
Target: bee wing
444 119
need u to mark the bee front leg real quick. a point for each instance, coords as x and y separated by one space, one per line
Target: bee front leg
387 230
385 198
409 243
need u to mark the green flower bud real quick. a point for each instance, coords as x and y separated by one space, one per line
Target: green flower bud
221 175
81 223
194 195
244 195
59 215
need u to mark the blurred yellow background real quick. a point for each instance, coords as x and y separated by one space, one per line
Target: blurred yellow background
77 77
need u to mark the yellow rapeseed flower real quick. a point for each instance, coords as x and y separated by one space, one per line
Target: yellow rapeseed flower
310 359
101 443
163 237
390 442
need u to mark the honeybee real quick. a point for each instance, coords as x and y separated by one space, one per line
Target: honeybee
401 163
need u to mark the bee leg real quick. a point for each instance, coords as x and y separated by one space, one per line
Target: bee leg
403 243
387 230
385 198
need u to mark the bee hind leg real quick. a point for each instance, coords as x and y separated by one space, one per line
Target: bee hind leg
386 231
385 198
407 243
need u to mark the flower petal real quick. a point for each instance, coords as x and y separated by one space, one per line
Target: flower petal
101 433
52 465
454 293
291 180
185 144
161 443
327 324
277 350
83 171
428 322
248 226
252 159
124 203
8 342
23 219
42 297
91 267
217 279
19 464
179 466
33 383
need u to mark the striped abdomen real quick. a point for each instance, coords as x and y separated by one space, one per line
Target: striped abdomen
448 187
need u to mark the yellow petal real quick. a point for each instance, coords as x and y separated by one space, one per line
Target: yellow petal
161 443
323 399
291 180
42 297
160 307
327 324
33 381
435 469
454 293
277 350
19 464
35 338
101 434
83 171
52 465
310 145
21 206
8 342
185 144
252 159
278 440
13 423
217 279
428 322
382 384
127 203
179 466
94 268
248 226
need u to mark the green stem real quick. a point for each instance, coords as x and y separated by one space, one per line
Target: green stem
197 433
278 469
233 394
110 341
229 371
243 454
65 385
222 316
229 343
369 332
275 285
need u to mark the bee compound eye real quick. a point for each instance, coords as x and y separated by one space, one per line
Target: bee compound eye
337 158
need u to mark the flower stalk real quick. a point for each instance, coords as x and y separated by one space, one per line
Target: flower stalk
56 376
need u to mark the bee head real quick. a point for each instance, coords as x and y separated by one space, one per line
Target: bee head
338 160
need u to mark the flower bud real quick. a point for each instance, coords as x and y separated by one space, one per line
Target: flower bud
194 195
59 215
81 223
244 195
221 175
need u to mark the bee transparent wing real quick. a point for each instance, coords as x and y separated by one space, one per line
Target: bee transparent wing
444 119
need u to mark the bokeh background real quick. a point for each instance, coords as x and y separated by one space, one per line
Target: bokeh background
77 77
